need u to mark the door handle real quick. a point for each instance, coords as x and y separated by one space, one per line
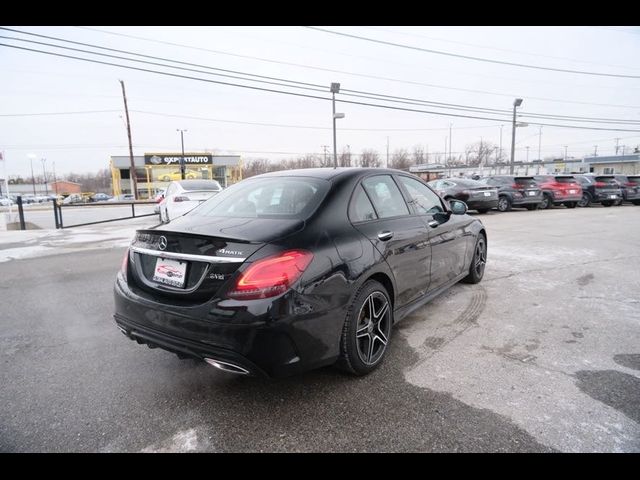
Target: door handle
386 235
433 223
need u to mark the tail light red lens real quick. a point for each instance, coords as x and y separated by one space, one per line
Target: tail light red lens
180 198
125 263
600 184
271 276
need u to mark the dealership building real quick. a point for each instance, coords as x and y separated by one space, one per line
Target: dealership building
154 171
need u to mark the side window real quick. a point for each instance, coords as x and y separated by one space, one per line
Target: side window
360 209
386 196
424 200
437 185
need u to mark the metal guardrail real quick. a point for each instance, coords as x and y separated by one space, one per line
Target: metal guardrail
57 212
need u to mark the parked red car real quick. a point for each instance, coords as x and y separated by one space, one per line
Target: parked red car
559 190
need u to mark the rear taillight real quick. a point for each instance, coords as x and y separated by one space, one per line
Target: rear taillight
125 263
515 186
271 276
630 184
179 198
600 184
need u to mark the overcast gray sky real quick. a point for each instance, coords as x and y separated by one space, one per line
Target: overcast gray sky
35 84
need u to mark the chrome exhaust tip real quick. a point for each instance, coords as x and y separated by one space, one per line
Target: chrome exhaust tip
227 367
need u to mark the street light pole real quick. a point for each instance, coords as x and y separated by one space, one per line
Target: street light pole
516 103
182 173
44 171
565 153
335 88
500 154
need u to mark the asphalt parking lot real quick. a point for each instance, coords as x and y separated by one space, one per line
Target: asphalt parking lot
542 355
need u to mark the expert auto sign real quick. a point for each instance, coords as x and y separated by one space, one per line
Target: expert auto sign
174 159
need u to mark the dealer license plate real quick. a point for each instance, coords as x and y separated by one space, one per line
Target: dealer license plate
170 272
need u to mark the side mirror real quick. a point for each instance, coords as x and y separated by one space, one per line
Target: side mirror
458 207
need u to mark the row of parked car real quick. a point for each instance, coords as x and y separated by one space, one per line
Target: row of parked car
540 191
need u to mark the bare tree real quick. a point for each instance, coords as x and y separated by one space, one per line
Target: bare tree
370 158
344 160
400 159
418 155
479 153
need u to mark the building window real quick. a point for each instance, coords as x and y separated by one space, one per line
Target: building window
608 170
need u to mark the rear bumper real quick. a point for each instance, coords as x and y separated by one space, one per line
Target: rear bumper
610 196
567 198
526 200
482 204
631 196
267 338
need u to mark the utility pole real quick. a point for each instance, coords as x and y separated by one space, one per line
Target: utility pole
182 169
540 143
132 167
527 147
565 152
517 102
387 165
595 152
500 154
617 140
44 172
55 180
450 125
33 178
324 148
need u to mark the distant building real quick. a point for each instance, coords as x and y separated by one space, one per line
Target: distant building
620 164
154 171
65 188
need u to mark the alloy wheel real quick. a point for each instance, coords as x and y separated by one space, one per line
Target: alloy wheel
503 204
373 328
480 257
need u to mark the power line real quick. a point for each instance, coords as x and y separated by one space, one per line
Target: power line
498 49
375 77
298 84
56 113
468 57
293 93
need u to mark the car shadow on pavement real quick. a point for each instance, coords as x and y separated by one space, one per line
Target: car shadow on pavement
327 410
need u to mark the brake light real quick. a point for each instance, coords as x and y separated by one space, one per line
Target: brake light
600 184
630 184
271 276
125 263
179 198
515 185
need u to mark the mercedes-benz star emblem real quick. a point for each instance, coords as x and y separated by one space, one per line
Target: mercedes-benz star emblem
163 243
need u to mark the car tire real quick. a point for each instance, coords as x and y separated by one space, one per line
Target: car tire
532 206
478 262
483 210
617 203
585 201
367 330
546 202
504 204
571 204
636 202
607 203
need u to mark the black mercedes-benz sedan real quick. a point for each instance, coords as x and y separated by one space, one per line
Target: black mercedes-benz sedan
294 270
478 196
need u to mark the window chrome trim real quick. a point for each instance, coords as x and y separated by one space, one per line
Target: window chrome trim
187 256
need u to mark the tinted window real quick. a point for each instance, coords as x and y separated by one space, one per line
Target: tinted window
386 196
275 197
360 209
193 185
565 179
424 200
466 183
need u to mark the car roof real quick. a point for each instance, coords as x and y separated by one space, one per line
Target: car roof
329 173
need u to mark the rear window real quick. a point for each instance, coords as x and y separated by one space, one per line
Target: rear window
607 180
467 183
270 197
526 181
198 185
566 179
